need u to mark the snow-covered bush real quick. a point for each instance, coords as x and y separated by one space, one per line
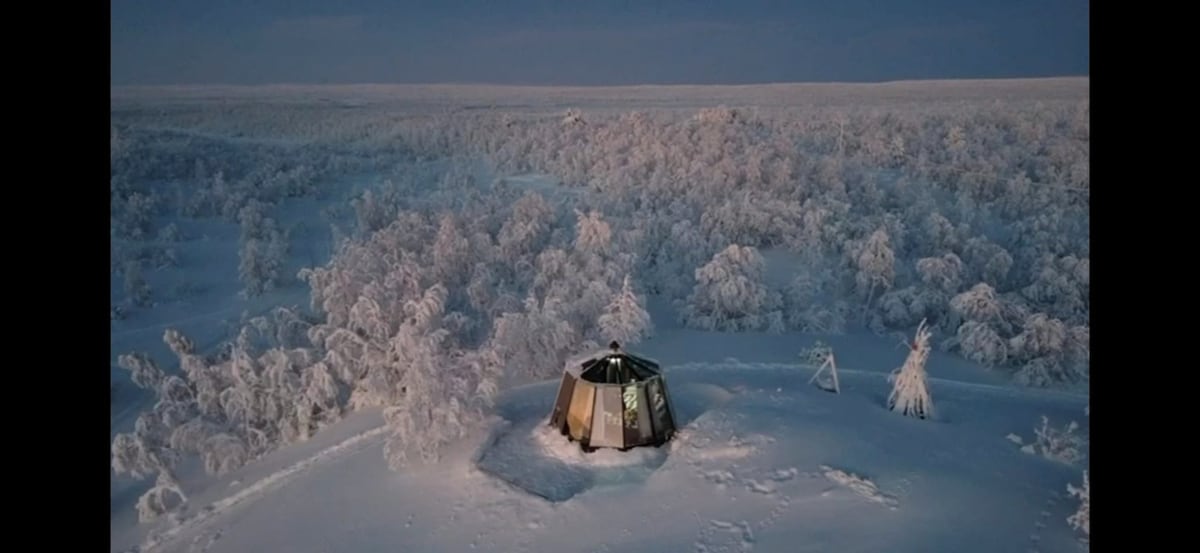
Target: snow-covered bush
1063 445
1081 518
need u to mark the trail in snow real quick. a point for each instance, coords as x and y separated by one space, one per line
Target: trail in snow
258 489
176 322
1007 389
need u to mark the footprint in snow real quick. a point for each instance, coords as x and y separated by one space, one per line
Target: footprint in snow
784 475
725 537
757 487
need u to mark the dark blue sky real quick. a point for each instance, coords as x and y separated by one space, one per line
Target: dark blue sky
593 42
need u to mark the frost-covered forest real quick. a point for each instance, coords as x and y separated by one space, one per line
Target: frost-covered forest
475 242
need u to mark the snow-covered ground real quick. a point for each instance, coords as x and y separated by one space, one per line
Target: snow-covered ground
764 462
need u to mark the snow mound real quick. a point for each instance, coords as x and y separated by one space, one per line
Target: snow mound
860 486
557 446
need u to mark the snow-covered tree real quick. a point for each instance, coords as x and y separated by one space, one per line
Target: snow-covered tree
910 391
207 382
983 336
131 455
876 264
1048 352
224 453
625 319
989 262
191 437
164 497
904 307
731 292
940 234
980 343
451 252
261 261
444 401
534 342
441 392
1060 287
593 236
941 273
980 304
683 249
372 212
143 370
526 228
424 413
809 307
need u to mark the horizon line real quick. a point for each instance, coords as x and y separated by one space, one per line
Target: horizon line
593 86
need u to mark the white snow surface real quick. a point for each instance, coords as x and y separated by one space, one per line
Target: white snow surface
554 445
763 462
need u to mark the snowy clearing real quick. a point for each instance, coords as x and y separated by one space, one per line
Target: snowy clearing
760 463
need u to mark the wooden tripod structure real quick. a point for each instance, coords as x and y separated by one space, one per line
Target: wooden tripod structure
830 364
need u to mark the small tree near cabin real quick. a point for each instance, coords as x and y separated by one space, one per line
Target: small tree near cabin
910 392
625 320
